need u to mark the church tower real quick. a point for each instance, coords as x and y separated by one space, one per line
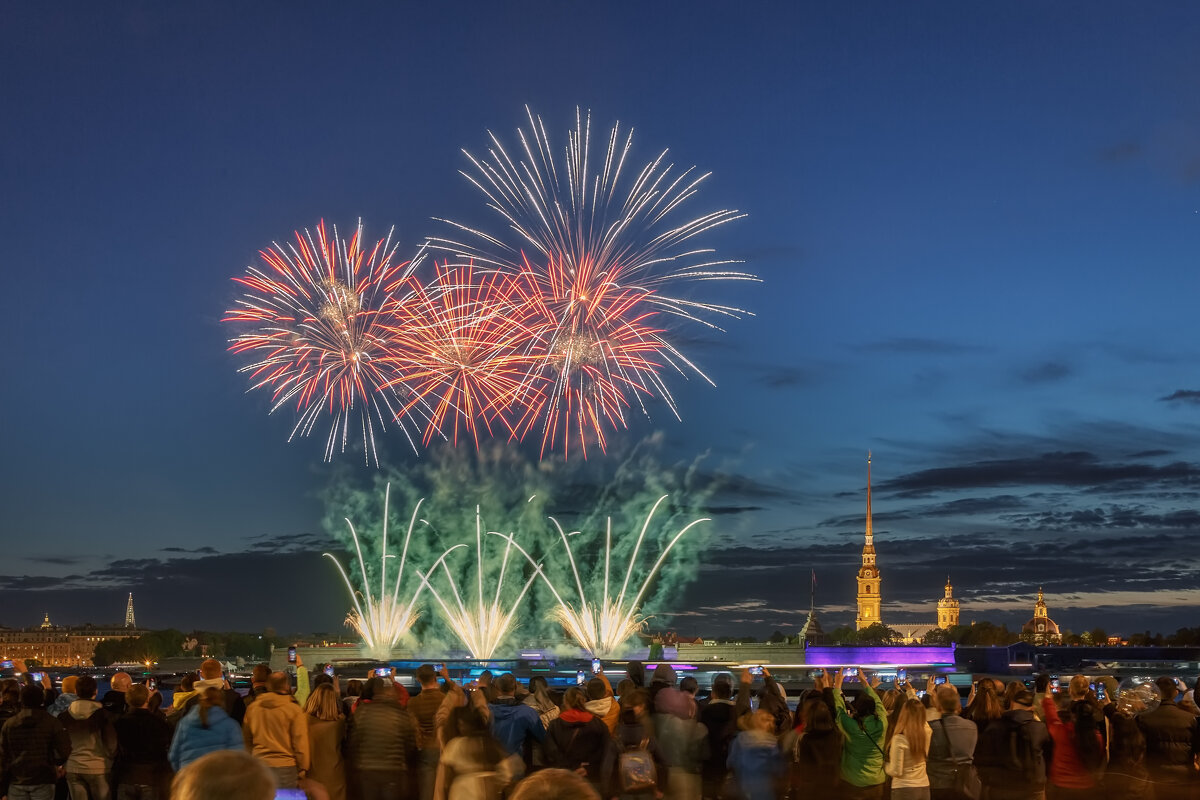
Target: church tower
948 608
868 574
129 620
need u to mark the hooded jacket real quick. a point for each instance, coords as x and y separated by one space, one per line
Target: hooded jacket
381 737
1172 742
143 738
62 703
32 745
93 739
1012 752
513 722
578 739
276 732
193 739
664 677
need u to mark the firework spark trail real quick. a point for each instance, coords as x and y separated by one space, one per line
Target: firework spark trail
463 346
314 311
481 626
605 260
382 620
602 625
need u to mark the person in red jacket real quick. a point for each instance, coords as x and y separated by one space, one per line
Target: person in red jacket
1078 744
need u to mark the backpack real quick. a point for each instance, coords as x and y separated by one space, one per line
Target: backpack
1021 757
636 772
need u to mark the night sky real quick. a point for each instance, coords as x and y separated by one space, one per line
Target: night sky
977 227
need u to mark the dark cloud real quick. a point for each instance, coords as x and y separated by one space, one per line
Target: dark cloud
912 345
1191 396
57 560
723 510
963 507
207 551
1046 372
1073 469
787 378
1149 454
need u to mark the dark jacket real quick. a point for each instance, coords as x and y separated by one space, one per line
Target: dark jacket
720 718
630 736
1171 743
815 760
578 739
951 747
114 703
143 739
381 737
32 745
1013 752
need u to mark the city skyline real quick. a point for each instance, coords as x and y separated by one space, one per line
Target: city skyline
977 231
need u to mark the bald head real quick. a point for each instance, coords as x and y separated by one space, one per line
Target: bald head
121 682
210 669
279 683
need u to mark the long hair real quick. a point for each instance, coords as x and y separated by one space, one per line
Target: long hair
574 698
986 705
1127 743
323 704
540 691
912 725
212 698
817 718
1010 691
1087 734
467 722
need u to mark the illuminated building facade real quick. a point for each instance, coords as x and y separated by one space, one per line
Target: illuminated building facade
54 646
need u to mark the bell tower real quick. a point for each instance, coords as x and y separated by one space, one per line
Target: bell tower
868 574
948 608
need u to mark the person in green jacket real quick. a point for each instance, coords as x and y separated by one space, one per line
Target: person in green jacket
864 727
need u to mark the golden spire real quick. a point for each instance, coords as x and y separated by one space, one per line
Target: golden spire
870 533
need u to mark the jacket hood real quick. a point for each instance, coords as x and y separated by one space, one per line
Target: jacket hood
82 709
574 716
636 672
599 707
28 717
664 673
273 699
672 701
211 683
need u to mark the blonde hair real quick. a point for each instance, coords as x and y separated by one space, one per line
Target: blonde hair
323 704
912 726
224 775
757 720
1077 689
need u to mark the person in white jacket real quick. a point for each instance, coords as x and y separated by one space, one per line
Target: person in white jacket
907 753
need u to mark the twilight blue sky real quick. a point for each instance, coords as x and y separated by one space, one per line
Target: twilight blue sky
977 228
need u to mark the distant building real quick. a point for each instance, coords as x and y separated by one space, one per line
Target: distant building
1041 628
55 646
870 598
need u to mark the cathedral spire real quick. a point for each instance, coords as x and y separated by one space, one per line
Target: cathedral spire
869 601
129 620
870 533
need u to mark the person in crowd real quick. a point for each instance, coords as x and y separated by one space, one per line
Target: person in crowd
224 775
10 699
554 784
577 739
485 685
540 701
663 678
93 742
276 732
624 687
864 727
635 671
1126 775
812 749
1078 743
424 708
181 700
908 753
65 697
683 740
354 689
258 682
754 758
983 706
141 770
471 766
114 699
514 723
1012 753
34 747
211 677
952 743
326 732
204 729
381 746
720 722
773 700
634 737
601 702
1172 745
1010 691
